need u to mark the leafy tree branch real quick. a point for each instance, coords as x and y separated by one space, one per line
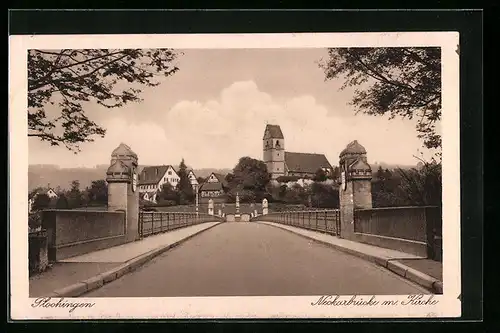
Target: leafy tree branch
404 82
69 78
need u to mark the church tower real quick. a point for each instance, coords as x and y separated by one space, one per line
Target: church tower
274 150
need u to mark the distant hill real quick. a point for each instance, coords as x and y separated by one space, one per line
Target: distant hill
54 176
384 166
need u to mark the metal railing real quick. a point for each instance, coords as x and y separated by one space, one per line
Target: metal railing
151 223
326 221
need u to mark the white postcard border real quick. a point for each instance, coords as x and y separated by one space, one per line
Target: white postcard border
448 305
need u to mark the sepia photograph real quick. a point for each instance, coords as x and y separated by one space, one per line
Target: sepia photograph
305 171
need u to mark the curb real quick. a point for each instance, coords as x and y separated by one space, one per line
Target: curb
428 282
85 286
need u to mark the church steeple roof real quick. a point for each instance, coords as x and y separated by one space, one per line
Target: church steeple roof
273 132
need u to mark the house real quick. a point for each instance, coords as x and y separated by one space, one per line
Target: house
192 179
32 196
214 187
152 178
283 163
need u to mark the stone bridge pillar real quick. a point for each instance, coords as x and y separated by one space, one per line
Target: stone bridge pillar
122 188
355 186
264 207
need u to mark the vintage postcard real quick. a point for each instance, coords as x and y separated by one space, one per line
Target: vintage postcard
234 176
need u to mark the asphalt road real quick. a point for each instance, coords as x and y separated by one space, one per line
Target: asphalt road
252 259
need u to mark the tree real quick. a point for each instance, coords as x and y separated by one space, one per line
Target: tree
200 180
168 194
41 201
184 188
250 175
324 196
335 175
422 187
320 176
69 78
74 195
380 173
62 202
296 195
98 192
387 174
403 82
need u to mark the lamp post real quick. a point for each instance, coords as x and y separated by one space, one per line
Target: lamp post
196 189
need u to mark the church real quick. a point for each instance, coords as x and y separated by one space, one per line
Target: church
283 163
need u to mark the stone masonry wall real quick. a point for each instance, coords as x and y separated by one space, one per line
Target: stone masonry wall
117 196
363 197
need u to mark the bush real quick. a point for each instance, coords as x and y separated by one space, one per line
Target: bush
35 219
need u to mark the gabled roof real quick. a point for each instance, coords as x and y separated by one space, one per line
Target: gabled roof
273 131
153 174
211 187
220 177
305 162
150 194
44 190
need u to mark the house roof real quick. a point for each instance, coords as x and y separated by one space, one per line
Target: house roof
211 187
220 177
305 162
286 179
273 131
149 193
43 190
153 174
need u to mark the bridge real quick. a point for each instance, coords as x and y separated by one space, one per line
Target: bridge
125 252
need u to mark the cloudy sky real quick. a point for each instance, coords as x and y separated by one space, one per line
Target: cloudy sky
215 108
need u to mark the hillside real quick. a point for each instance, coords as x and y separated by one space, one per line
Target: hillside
54 176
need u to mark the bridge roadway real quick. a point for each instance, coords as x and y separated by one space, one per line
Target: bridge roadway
253 259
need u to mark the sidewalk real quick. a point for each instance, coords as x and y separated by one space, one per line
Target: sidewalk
77 275
420 270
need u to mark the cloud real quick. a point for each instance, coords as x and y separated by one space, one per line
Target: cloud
218 131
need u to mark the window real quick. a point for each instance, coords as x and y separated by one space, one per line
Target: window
170 173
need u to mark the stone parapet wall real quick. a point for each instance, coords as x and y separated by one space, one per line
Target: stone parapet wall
413 230
75 232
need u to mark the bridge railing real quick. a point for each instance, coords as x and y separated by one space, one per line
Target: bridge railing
151 223
326 221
